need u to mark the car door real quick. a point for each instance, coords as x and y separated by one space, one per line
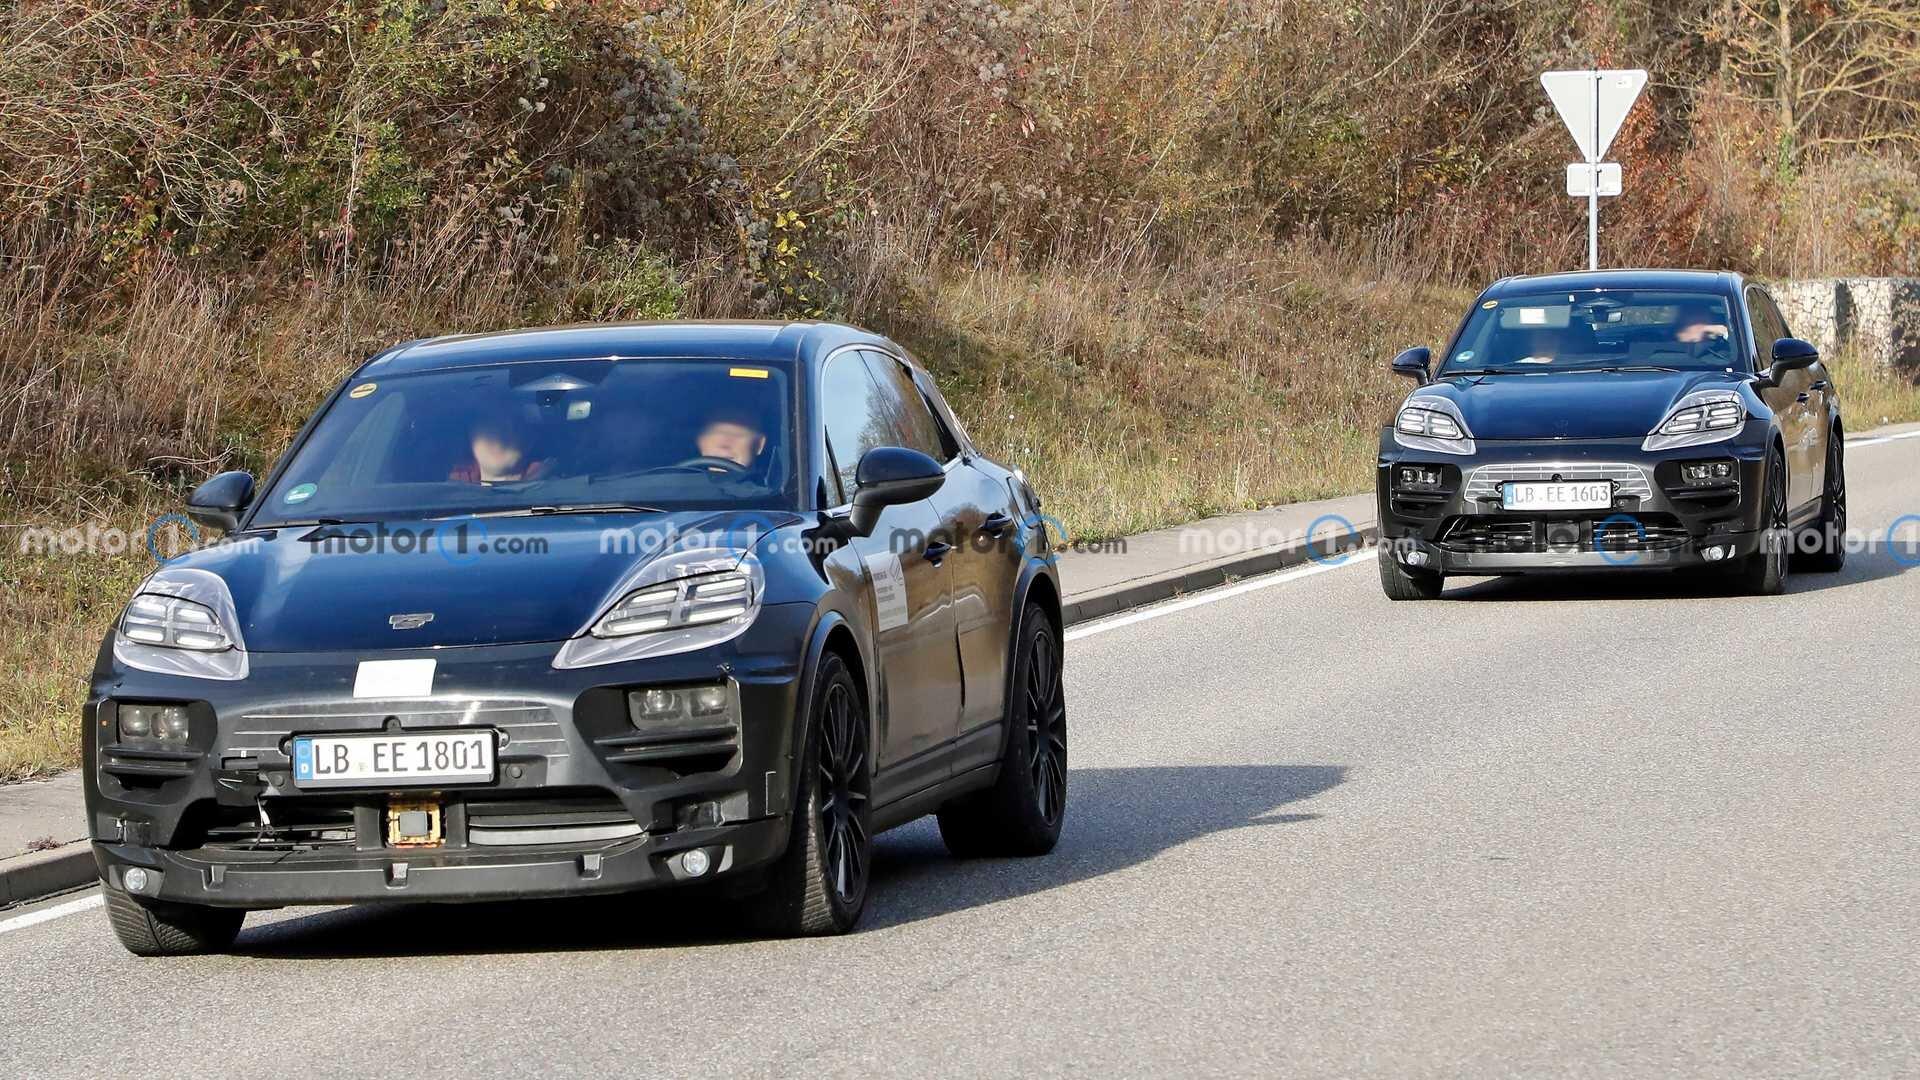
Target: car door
909 589
1791 401
975 509
1811 394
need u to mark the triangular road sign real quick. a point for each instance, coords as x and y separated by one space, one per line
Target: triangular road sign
1573 95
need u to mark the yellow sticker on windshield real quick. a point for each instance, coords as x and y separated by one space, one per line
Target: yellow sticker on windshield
1491 304
748 372
363 390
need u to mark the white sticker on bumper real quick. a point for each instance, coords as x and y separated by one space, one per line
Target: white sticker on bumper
394 679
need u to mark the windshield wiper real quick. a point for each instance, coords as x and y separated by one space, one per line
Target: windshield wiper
309 523
1482 371
1633 367
578 508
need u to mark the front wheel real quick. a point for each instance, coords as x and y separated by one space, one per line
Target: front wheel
819 886
1022 812
158 929
1764 573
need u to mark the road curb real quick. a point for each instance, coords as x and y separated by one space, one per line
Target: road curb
40 874
1152 590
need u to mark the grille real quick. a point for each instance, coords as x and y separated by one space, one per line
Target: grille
575 819
290 825
1629 481
1487 534
529 726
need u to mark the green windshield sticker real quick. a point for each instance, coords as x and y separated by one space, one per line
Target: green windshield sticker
301 493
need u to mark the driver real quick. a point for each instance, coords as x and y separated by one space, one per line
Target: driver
498 454
731 434
1695 324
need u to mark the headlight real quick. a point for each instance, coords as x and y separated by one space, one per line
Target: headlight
1432 423
173 622
1705 416
182 622
679 602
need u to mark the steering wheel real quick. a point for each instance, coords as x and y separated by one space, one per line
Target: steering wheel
705 463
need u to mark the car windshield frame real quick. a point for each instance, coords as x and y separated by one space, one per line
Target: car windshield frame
539 495
1471 350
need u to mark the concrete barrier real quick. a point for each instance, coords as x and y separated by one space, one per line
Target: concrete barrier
1879 317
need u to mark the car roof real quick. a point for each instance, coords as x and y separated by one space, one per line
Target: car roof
1695 280
763 341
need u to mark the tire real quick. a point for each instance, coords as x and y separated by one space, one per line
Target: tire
1021 814
819 885
155 929
1401 583
1829 555
1764 573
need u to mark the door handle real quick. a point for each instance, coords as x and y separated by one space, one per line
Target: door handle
1802 399
996 525
935 551
1821 385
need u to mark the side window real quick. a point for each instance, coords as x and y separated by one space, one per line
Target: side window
907 415
943 418
855 414
1767 327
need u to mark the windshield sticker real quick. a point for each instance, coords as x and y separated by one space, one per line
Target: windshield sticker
1533 316
1491 304
363 390
301 493
747 373
579 410
1467 355
1534 360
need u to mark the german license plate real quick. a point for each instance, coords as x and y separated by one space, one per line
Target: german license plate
410 760
1557 495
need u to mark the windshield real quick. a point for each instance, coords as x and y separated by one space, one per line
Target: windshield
1595 330
529 437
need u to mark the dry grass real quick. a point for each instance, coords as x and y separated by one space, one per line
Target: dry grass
1871 395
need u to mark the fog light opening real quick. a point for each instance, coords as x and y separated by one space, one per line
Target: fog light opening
1418 558
695 863
1715 553
135 880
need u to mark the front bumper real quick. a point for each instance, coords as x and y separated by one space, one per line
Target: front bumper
580 801
1655 522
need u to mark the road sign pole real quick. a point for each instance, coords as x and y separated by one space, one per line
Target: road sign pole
1593 189
1593 104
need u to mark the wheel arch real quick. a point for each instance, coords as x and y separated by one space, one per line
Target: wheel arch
1037 584
832 633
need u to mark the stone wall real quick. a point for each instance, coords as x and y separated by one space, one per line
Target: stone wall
1878 316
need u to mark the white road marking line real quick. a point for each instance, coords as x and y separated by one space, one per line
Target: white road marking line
1851 443
71 907
1211 596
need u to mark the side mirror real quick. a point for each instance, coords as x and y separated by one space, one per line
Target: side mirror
887 476
1415 364
219 502
1790 354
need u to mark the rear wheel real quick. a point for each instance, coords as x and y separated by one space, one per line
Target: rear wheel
1022 813
148 928
1828 552
1404 583
1764 573
820 885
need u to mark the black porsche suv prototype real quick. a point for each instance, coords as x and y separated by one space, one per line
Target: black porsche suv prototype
578 610
1614 420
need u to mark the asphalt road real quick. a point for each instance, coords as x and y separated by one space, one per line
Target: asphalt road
1540 827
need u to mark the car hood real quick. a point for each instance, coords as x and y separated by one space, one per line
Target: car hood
504 581
1572 405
